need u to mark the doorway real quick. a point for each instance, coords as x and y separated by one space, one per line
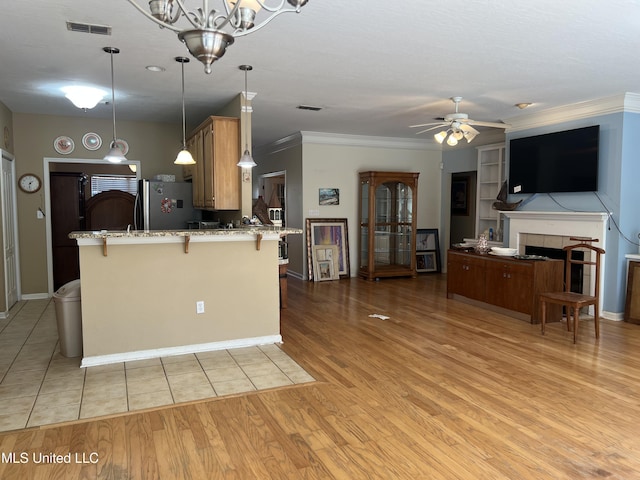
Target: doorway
9 231
272 188
67 185
462 221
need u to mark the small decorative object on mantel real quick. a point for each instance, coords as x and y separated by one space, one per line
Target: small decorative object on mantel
483 245
502 203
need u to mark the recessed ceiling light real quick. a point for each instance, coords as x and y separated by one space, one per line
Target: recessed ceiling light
155 68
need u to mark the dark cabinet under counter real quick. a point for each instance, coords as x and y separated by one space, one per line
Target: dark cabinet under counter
505 283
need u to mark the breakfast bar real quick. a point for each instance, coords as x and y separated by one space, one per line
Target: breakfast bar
147 294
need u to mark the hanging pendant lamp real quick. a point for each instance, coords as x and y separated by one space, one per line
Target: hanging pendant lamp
114 155
246 160
184 156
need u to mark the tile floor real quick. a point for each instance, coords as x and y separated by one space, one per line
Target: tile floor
39 386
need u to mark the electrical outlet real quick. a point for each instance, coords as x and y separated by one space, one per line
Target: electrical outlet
39 214
200 306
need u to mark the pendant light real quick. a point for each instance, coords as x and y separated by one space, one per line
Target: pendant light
184 156
246 161
114 155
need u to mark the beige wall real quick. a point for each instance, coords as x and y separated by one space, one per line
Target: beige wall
313 161
155 145
288 160
143 297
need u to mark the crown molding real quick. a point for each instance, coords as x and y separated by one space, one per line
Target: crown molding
625 102
337 139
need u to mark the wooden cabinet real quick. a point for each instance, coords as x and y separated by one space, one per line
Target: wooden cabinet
505 282
465 276
491 174
632 304
215 146
387 223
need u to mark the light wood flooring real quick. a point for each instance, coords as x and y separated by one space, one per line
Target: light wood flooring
439 390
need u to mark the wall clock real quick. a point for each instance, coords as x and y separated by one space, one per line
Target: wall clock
29 183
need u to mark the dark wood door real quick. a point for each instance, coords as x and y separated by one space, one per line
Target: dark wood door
67 215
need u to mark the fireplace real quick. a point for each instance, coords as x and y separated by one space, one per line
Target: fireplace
577 270
553 230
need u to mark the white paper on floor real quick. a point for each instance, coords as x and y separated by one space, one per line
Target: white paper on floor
377 315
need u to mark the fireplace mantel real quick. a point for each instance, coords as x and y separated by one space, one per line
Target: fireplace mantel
560 224
576 224
563 216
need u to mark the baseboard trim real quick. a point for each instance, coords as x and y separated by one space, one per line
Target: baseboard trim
96 360
34 296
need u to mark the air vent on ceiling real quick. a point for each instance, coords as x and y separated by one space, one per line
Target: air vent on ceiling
309 107
88 28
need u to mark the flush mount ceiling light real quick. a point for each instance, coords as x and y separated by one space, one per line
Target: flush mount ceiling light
207 32
114 155
83 97
246 160
184 156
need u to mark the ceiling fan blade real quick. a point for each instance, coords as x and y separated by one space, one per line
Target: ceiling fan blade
426 124
489 124
432 128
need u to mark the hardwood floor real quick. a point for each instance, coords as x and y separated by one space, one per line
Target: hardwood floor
440 390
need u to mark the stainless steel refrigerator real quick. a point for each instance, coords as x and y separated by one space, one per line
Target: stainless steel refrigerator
164 205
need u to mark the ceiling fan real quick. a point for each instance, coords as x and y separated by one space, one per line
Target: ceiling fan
457 126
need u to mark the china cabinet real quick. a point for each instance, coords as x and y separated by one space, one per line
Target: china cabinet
215 146
491 174
387 222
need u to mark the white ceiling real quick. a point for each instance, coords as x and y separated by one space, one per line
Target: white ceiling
375 66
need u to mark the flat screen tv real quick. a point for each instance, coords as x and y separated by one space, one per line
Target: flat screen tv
555 162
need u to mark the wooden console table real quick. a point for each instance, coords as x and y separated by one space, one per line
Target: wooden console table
505 283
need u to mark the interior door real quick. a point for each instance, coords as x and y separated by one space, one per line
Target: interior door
9 232
67 215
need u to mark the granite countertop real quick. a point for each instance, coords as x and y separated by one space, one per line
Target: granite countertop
184 233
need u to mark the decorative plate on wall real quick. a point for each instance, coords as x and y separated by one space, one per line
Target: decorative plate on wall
63 145
91 141
123 146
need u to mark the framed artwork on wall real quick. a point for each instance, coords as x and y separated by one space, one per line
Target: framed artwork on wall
460 196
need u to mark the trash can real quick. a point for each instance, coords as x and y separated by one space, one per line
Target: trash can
69 318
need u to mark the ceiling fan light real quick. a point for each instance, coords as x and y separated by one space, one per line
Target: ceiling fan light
458 135
440 136
469 136
452 141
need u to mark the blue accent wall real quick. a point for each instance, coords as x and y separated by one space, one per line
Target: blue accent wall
618 193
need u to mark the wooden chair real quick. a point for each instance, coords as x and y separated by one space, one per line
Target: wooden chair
573 301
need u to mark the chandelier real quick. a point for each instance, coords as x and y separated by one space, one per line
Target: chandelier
207 32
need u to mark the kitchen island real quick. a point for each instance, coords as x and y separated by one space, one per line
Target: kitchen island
148 294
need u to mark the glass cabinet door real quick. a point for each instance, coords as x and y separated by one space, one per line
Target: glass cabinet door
364 224
387 224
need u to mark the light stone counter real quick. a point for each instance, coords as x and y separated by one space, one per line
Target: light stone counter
140 291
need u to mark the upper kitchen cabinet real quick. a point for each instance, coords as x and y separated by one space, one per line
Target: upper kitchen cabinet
215 146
